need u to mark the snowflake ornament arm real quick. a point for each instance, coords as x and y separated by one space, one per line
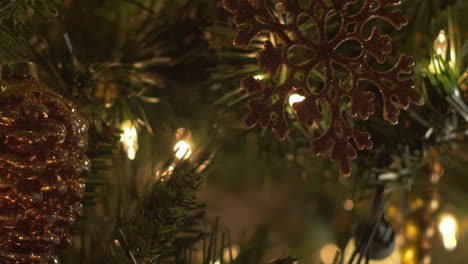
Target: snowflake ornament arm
252 17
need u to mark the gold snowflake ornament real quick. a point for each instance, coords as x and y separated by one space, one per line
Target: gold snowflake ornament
253 17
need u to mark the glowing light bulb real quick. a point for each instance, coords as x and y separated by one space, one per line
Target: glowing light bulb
260 76
295 98
409 255
448 230
129 139
182 149
328 253
117 243
434 204
235 250
437 172
131 153
441 47
441 44
348 205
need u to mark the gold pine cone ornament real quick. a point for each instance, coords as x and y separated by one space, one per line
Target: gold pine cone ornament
42 166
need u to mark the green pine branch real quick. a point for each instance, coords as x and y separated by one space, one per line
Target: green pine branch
14 13
147 234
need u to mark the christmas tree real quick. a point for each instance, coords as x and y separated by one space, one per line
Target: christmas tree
233 131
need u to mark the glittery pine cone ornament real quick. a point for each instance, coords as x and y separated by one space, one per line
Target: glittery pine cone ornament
42 167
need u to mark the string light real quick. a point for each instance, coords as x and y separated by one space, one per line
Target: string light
434 204
129 139
437 172
448 230
260 76
409 255
412 230
440 47
295 98
182 150
234 250
328 253
441 44
348 205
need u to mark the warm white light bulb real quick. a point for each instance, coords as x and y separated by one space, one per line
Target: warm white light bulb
260 76
442 37
450 243
348 205
328 253
234 250
295 98
131 153
441 45
117 243
448 230
129 139
182 149
131 143
447 225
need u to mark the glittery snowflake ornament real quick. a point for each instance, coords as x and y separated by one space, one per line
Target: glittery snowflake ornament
253 17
